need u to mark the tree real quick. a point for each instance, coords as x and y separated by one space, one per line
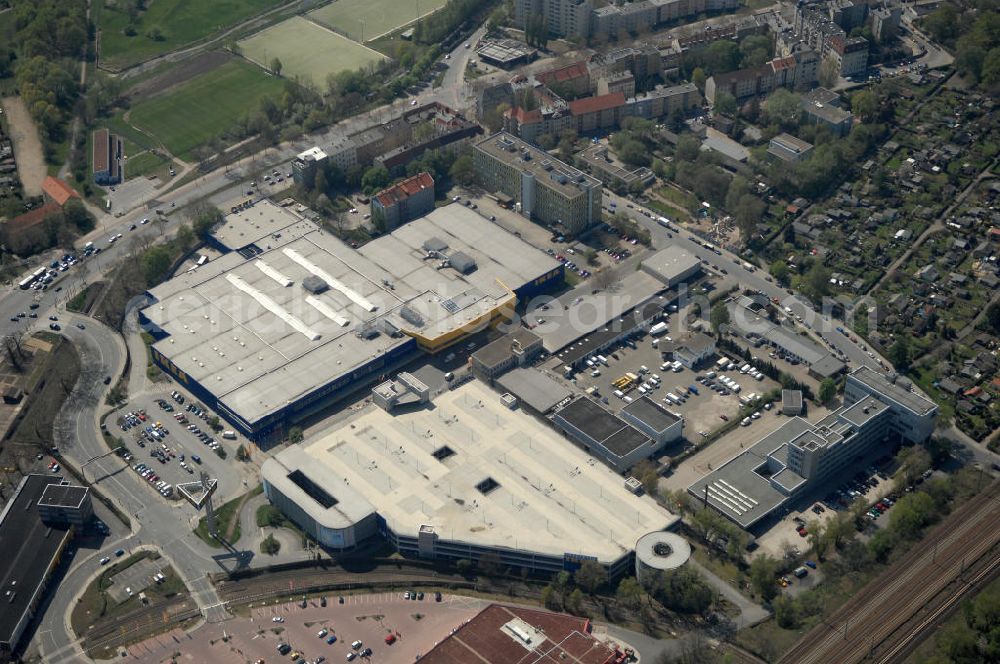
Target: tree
864 104
911 513
943 23
786 612
463 171
993 317
783 107
550 598
722 56
779 270
913 463
829 72
763 572
698 77
155 264
242 454
827 391
185 237
818 539
295 435
590 576
463 566
683 589
270 545
645 471
375 178
269 516
719 317
725 103
629 592
574 603
489 564
899 353
817 281
205 220
276 66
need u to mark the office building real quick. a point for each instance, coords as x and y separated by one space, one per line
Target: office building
544 189
799 456
65 504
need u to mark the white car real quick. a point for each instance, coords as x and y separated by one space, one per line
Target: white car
145 221
105 560
277 619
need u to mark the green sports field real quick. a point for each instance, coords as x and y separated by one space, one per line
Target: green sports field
375 17
307 50
191 114
179 22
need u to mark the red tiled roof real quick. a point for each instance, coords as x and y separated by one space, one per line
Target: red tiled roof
482 640
563 74
524 117
405 189
597 104
57 190
787 62
33 217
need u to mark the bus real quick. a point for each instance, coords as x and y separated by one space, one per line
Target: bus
25 283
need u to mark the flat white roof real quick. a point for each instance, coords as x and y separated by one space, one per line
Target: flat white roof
550 498
250 333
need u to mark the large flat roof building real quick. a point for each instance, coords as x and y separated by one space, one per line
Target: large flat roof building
672 266
295 318
544 189
31 551
799 456
604 434
515 634
459 480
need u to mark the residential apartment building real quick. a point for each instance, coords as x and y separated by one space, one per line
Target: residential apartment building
564 18
305 164
601 165
885 22
543 188
409 199
664 101
850 54
798 71
821 106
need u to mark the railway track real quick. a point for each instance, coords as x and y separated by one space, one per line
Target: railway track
875 614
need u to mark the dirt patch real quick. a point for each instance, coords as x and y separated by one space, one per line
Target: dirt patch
181 73
27 146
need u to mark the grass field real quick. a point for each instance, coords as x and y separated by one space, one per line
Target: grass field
377 16
307 50
207 105
180 22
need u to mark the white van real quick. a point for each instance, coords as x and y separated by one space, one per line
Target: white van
619 394
231 435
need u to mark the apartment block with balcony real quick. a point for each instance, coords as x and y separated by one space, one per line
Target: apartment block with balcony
544 188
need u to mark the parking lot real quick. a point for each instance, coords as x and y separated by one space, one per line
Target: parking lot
871 485
177 456
414 626
703 408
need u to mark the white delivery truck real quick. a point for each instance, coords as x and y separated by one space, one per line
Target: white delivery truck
658 329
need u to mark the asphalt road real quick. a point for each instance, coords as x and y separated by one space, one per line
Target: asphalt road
757 280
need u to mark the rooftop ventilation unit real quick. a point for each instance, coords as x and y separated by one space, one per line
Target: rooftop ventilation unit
411 317
314 284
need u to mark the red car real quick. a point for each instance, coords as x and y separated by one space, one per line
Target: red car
723 418
390 639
